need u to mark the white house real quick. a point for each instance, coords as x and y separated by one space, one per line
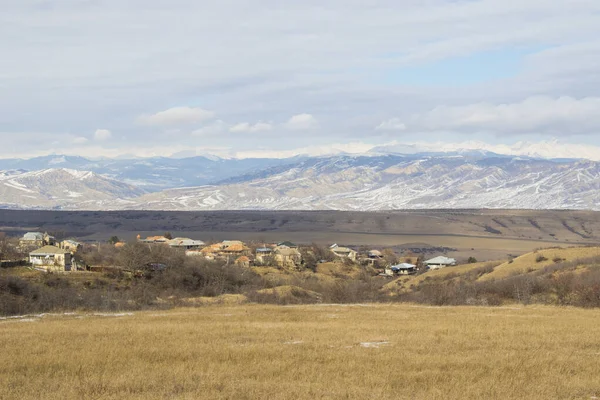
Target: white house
440 262
343 252
185 243
51 258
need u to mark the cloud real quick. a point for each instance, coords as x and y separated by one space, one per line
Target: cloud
540 114
314 151
247 127
177 116
102 134
301 122
216 128
358 63
80 140
394 124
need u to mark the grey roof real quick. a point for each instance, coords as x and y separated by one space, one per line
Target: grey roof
184 242
49 250
33 236
287 244
441 260
342 250
403 266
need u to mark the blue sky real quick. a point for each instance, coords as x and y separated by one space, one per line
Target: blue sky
241 77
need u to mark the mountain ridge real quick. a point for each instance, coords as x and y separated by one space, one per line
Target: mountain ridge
346 182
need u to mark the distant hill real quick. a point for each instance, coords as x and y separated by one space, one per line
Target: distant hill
369 183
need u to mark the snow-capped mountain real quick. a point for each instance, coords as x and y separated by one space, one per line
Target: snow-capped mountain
151 173
398 182
62 188
375 182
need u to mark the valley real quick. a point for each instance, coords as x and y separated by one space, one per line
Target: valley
484 234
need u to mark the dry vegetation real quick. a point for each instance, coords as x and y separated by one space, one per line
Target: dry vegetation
540 259
552 277
305 352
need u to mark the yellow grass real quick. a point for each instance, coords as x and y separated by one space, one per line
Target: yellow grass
405 282
305 352
337 268
528 261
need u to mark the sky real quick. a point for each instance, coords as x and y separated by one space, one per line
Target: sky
269 78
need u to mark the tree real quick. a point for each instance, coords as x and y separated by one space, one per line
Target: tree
134 256
390 256
168 235
113 240
472 260
8 248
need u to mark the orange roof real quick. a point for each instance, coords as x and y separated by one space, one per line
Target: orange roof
213 248
236 247
242 259
120 244
156 238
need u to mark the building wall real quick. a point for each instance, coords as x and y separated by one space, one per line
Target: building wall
57 262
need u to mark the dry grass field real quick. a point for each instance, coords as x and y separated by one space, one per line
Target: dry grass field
405 282
541 258
305 352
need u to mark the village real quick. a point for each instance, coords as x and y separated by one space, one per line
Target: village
42 251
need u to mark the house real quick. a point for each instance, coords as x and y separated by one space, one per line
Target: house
235 248
225 249
375 254
70 245
343 252
36 239
373 257
153 239
185 243
287 257
404 269
440 262
264 255
243 261
51 258
287 244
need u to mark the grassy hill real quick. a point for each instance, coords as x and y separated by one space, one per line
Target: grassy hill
543 258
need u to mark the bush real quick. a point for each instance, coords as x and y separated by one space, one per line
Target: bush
540 258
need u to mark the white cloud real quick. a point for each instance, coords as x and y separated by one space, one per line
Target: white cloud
250 128
216 128
102 134
80 140
563 115
177 116
394 124
314 151
302 122
357 62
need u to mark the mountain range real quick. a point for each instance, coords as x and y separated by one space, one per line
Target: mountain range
466 179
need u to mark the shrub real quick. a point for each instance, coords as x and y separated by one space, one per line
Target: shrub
540 258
